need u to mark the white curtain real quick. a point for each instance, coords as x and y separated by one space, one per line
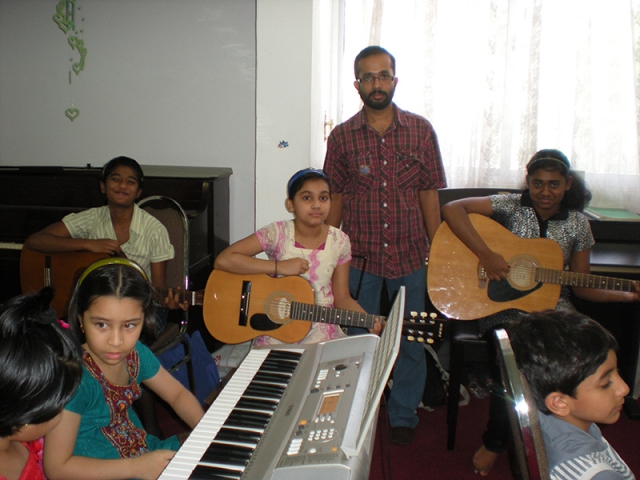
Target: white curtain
500 79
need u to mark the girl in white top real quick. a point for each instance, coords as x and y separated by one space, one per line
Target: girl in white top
304 246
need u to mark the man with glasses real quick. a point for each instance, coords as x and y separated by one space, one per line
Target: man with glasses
385 169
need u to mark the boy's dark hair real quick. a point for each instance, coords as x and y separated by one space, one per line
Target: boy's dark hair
114 163
369 51
296 182
557 350
116 280
578 196
40 364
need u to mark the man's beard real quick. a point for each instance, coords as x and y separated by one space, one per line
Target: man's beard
377 104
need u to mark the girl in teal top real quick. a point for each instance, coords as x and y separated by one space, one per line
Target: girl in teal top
99 436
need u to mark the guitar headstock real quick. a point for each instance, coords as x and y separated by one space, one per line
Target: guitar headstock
424 327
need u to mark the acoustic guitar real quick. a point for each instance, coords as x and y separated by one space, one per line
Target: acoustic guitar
458 286
239 308
62 271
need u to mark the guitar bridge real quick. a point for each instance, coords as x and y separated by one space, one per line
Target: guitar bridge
245 298
482 277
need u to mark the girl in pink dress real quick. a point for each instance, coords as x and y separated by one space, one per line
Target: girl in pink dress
304 246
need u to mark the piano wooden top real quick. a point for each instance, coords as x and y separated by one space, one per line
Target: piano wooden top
76 188
33 197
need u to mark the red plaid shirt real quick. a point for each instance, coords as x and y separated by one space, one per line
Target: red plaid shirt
379 178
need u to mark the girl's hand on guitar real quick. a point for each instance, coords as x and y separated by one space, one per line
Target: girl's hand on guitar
635 296
104 245
172 300
377 327
495 266
293 266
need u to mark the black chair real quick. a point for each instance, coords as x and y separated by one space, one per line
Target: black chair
465 342
464 334
526 434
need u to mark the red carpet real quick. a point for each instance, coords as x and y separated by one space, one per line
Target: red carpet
428 458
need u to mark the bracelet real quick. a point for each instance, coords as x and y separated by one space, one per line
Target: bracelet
276 274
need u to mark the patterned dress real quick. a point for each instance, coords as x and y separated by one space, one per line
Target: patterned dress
278 242
569 228
109 427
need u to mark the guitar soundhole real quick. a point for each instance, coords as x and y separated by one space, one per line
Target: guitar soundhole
522 272
278 307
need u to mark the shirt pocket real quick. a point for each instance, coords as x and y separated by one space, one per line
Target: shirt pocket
408 170
363 171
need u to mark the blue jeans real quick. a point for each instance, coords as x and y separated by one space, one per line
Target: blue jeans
410 370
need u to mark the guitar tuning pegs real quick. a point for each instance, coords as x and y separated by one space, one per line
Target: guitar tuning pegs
423 315
411 338
430 341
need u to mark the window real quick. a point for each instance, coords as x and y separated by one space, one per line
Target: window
502 79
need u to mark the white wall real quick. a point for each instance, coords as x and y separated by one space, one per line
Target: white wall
283 101
166 82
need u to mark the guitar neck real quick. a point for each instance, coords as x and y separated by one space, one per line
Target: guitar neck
192 297
561 277
321 314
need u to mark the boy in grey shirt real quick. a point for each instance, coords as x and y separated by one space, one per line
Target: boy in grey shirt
570 363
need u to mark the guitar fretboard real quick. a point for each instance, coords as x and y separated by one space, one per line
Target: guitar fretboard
561 277
320 314
192 297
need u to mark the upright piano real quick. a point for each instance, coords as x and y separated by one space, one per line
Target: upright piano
33 197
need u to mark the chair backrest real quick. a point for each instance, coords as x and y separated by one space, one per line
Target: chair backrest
173 217
523 414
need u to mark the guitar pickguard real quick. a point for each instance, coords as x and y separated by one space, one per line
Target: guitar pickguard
261 323
502 291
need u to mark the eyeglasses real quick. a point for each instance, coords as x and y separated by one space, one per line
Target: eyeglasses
385 79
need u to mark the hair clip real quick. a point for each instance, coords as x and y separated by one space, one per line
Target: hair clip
48 317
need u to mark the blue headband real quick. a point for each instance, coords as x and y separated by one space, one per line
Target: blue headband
300 173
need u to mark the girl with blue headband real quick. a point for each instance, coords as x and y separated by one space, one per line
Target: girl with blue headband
304 246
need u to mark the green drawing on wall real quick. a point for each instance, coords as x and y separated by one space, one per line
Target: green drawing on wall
78 44
65 15
65 18
72 113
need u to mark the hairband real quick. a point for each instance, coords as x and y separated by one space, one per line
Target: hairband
305 171
535 160
112 261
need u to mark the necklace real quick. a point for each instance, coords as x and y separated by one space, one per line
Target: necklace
312 243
